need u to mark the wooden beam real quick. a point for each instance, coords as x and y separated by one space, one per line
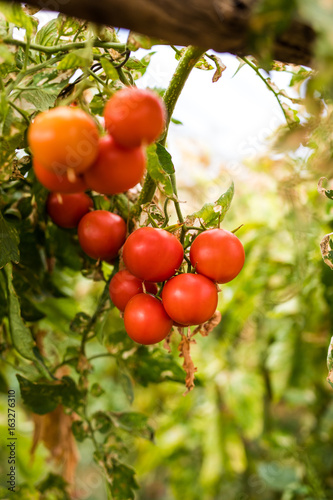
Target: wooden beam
222 25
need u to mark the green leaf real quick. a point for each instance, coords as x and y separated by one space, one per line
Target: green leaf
240 66
9 243
3 301
157 171
139 67
212 213
153 367
165 159
67 26
137 41
277 476
176 122
40 193
80 430
6 56
45 397
53 487
96 390
97 105
127 385
3 384
101 422
47 34
14 13
203 64
134 423
109 69
123 481
41 99
80 323
21 335
79 58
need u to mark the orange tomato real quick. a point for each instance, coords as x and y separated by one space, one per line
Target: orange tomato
58 183
64 138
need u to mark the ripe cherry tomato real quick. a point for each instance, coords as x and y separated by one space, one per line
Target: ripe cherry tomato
134 117
124 286
190 299
217 254
146 321
102 234
58 183
64 138
152 254
66 210
116 168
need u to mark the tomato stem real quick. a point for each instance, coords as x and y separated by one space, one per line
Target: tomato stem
171 95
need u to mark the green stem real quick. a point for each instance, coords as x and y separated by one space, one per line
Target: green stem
26 55
189 228
171 95
256 69
123 78
97 78
65 47
100 306
185 65
176 203
22 113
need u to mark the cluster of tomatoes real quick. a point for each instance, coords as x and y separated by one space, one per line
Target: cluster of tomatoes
153 255
69 158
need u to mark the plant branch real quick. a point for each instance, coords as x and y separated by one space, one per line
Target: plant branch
100 306
256 69
65 47
171 95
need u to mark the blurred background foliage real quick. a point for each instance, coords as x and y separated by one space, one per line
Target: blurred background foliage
259 421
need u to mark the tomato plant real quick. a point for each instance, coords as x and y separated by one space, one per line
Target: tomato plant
60 183
146 321
134 117
116 168
217 254
102 234
152 254
66 210
64 138
190 299
63 343
124 286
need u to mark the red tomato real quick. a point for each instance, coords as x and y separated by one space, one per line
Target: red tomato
146 321
66 210
190 299
116 169
152 254
135 116
124 286
57 182
64 138
102 234
217 254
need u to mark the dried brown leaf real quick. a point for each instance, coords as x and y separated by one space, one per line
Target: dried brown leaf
54 430
325 249
209 326
167 340
320 188
188 365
